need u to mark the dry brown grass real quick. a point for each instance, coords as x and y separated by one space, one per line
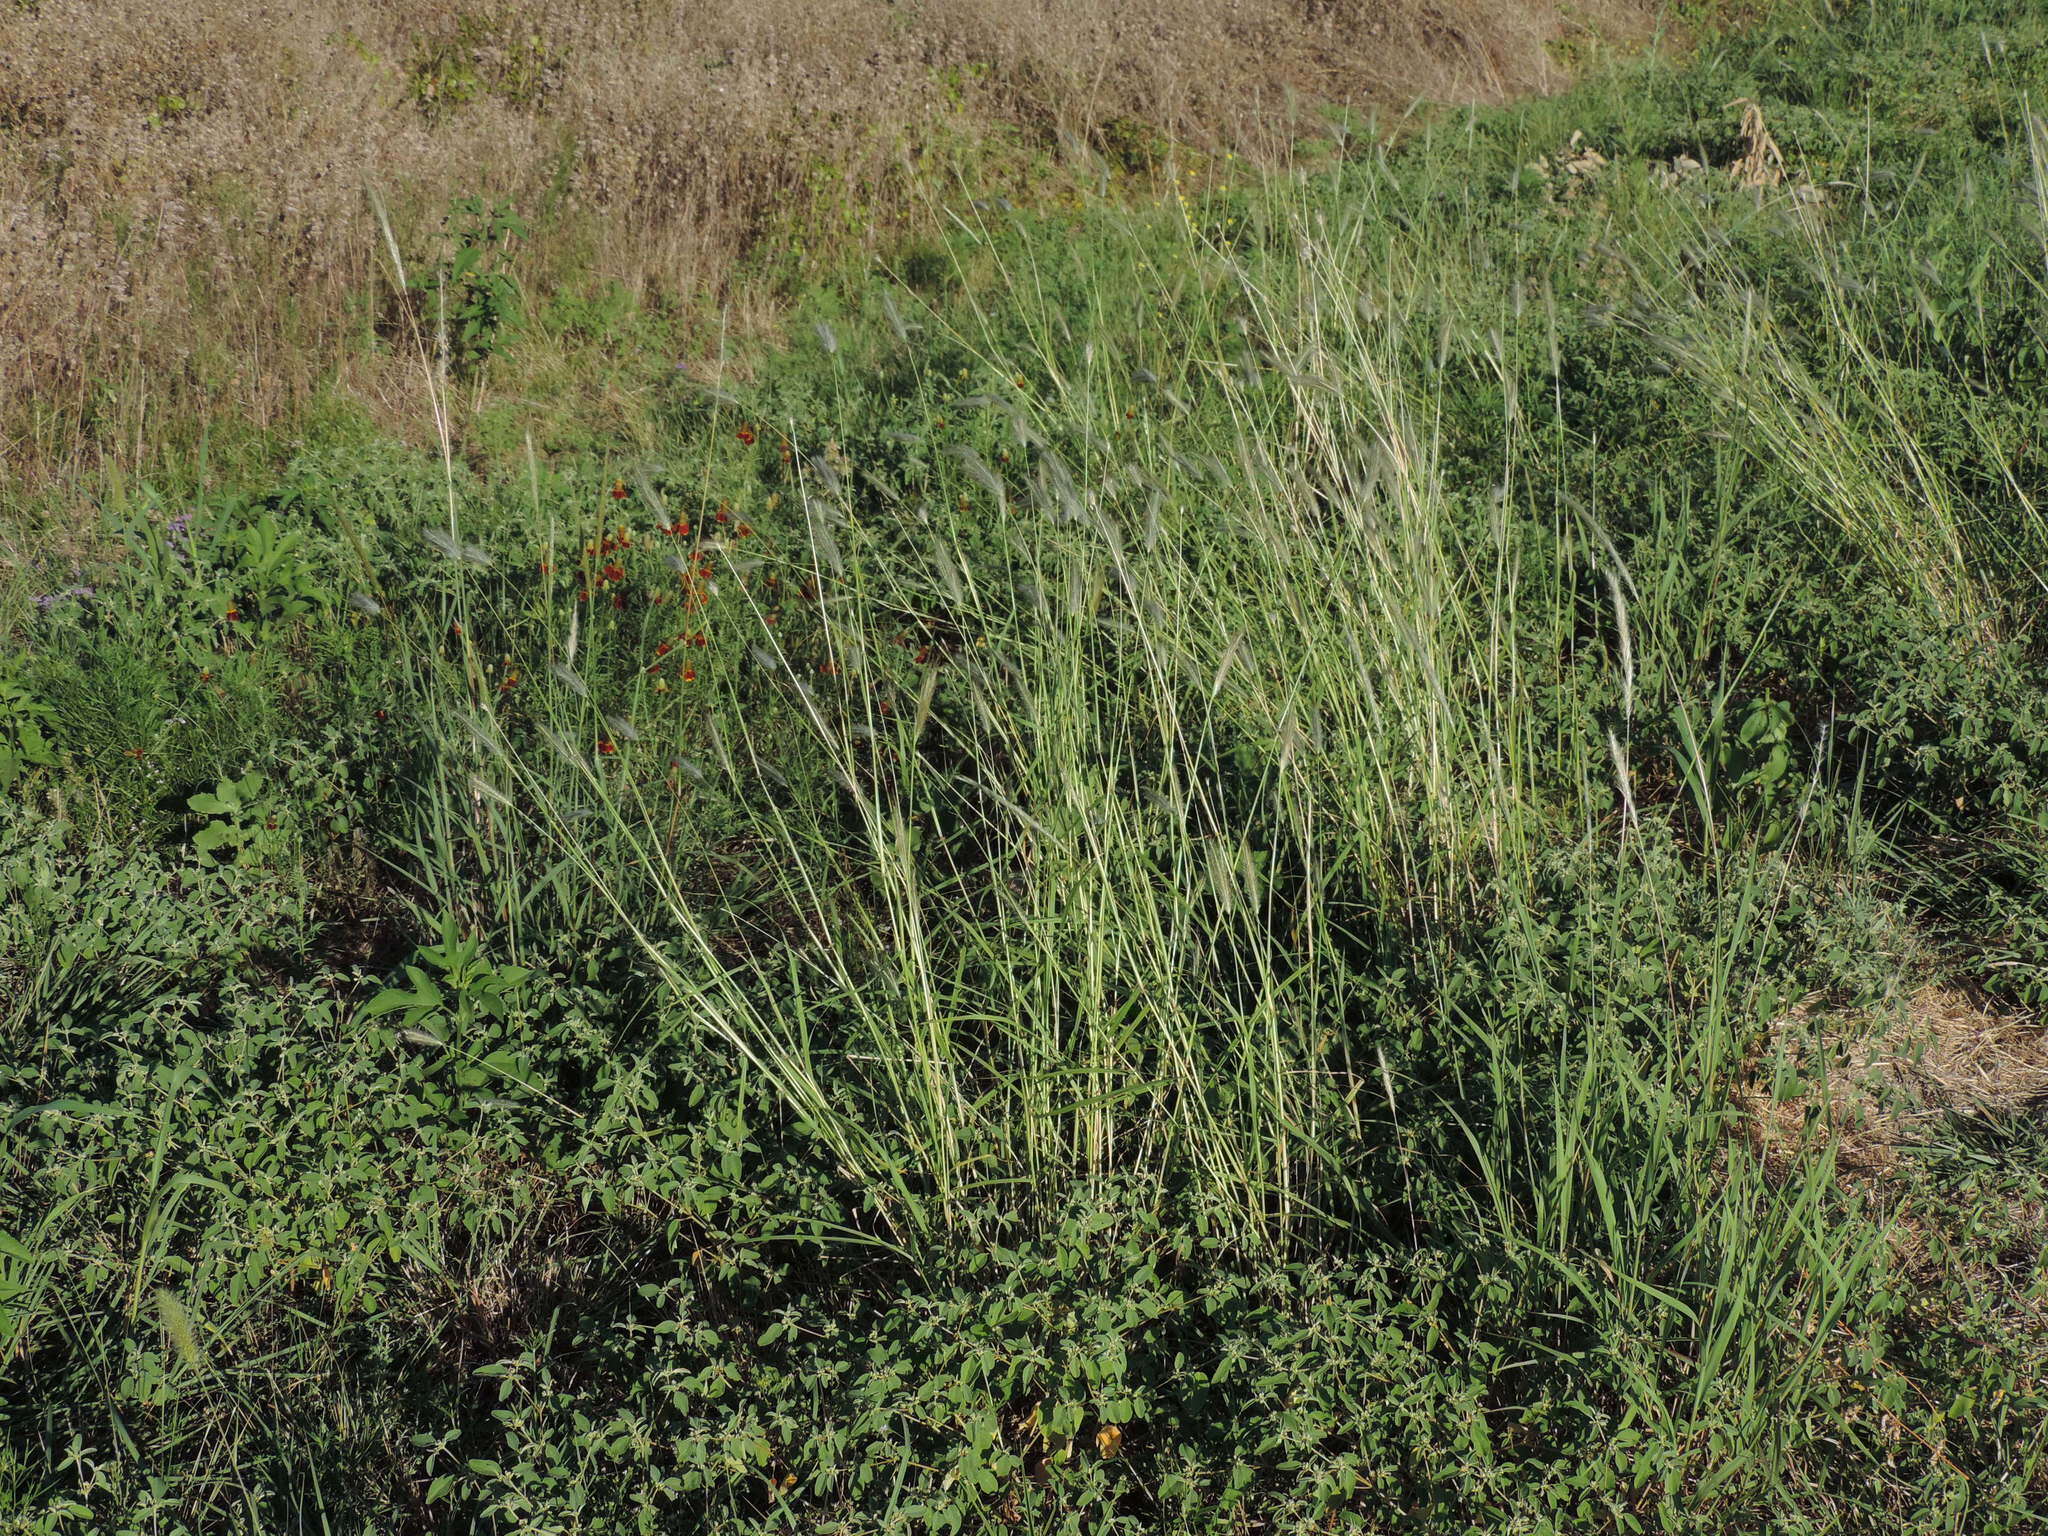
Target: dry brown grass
1867 1089
1865 1092
184 228
1762 163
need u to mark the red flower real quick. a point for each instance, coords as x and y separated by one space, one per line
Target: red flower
745 532
698 638
689 674
234 615
724 516
606 747
618 490
613 573
746 436
382 716
662 649
618 599
547 568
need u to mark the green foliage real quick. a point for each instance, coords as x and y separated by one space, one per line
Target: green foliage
1155 882
23 744
505 56
225 566
469 295
463 1006
1130 146
241 819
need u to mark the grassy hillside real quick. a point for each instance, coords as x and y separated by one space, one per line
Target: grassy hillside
189 248
1364 851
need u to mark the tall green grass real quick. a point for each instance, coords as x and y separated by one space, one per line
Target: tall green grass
1195 947
1157 876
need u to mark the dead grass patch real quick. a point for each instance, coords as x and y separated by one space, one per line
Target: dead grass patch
1867 1089
1762 163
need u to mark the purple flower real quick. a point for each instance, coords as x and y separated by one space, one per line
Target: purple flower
48 600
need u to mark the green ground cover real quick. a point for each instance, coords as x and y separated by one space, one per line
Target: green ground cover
1152 883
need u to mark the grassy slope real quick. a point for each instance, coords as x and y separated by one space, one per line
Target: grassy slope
1158 880
190 253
